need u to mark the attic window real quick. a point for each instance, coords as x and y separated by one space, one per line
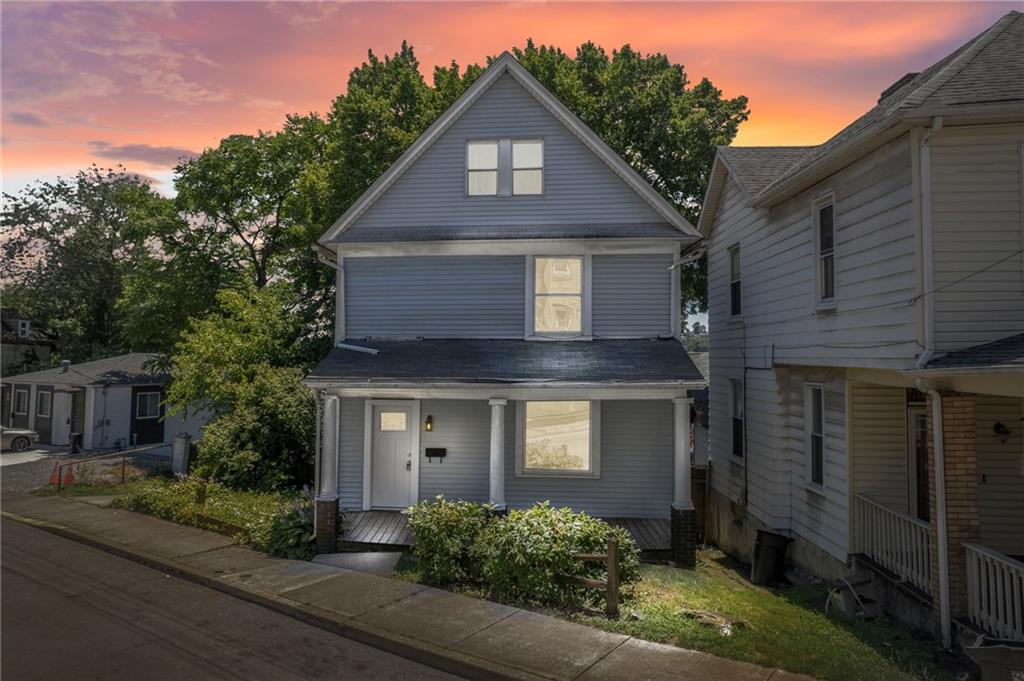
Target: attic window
24 326
527 167
482 168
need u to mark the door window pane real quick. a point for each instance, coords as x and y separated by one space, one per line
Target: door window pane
557 436
393 421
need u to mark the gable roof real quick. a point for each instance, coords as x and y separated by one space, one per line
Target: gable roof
507 63
981 80
127 369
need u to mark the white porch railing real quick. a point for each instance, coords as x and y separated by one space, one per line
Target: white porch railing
895 541
995 592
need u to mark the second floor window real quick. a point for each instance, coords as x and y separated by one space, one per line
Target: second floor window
482 168
23 328
825 241
735 290
558 296
527 167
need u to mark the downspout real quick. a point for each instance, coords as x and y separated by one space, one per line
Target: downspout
941 524
927 244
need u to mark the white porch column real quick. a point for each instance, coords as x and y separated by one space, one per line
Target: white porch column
497 487
329 448
32 391
682 499
89 425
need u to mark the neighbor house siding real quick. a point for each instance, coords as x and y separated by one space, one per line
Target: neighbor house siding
636 464
112 417
632 295
350 453
977 221
1000 474
463 428
879 439
435 296
579 188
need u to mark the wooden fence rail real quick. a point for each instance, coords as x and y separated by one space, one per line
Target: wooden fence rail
610 586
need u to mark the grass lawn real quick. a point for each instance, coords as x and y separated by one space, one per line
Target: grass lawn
784 628
90 490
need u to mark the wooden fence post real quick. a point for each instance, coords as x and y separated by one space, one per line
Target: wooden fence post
612 592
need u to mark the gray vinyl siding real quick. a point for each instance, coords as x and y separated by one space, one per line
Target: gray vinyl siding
632 295
879 440
44 425
636 465
977 210
579 188
463 428
435 296
350 454
1000 474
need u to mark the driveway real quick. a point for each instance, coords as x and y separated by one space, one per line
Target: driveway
25 471
70 611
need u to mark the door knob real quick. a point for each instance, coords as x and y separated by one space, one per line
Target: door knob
408 465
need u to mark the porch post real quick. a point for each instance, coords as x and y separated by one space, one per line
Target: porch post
497 479
326 520
684 517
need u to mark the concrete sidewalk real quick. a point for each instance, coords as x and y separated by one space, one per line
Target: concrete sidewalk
466 636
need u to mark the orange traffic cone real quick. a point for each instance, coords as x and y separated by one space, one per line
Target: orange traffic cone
55 474
69 477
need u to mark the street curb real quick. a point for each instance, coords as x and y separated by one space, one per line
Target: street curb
443 659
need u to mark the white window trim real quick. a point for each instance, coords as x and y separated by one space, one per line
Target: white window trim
594 473
14 406
809 389
541 167
733 279
820 303
414 444
733 382
496 171
138 403
531 283
24 327
49 404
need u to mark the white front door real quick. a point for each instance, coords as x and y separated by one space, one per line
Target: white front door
392 460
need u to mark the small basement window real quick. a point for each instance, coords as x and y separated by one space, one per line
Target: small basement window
558 438
482 168
527 167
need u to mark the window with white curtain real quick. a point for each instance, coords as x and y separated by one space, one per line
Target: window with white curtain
558 295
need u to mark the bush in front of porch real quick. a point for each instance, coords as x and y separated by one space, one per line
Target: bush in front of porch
518 557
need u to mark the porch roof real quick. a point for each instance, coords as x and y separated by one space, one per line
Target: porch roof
1005 353
510 361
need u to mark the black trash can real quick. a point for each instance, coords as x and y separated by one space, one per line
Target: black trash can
76 442
769 558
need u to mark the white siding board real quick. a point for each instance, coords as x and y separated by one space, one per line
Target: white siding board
879 438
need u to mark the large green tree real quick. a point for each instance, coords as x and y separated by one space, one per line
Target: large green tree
68 247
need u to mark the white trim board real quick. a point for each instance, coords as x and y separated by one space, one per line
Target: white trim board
616 246
507 63
513 393
414 444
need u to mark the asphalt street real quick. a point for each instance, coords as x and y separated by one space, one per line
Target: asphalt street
73 612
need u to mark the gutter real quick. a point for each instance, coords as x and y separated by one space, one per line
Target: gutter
927 245
941 521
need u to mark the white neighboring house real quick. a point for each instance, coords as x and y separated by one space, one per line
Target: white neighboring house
867 331
115 403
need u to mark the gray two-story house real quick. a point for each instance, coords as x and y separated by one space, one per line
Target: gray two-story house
867 343
508 314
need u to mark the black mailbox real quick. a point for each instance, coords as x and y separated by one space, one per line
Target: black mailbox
439 452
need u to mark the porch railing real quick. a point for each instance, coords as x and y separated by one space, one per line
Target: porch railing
895 541
995 592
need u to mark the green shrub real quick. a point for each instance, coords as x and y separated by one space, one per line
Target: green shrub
445 531
522 553
291 532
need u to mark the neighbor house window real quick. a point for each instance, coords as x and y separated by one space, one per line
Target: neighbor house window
558 295
44 401
814 402
24 326
147 406
736 416
482 168
527 167
735 291
558 438
825 241
21 402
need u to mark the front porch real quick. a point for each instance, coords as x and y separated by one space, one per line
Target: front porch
954 540
389 531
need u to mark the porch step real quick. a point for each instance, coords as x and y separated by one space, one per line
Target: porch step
855 596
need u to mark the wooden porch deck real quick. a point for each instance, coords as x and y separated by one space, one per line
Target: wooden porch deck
389 531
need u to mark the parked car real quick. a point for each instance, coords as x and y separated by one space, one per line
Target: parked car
17 439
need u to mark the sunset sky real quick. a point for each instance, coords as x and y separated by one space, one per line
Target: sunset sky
142 84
